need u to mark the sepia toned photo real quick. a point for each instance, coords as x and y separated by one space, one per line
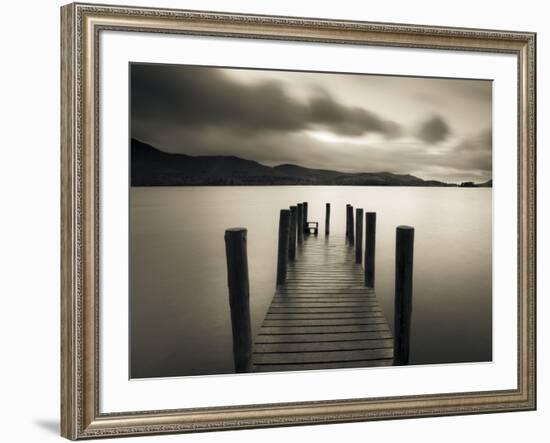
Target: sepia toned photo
297 221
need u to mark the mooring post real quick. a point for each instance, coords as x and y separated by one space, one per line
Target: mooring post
370 248
299 223
358 235
304 227
347 221
327 219
237 281
404 253
292 237
351 225
282 255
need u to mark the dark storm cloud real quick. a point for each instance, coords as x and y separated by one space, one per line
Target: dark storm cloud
196 97
434 130
168 96
347 120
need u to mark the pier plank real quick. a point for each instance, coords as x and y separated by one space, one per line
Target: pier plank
323 346
308 315
319 366
320 338
322 356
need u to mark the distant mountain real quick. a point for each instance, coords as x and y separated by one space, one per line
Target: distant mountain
487 184
151 167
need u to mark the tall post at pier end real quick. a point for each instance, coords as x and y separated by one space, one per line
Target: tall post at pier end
292 236
237 281
370 248
347 221
282 251
350 226
327 219
358 235
304 226
404 254
299 223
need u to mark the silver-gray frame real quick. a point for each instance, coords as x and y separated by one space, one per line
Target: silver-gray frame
80 381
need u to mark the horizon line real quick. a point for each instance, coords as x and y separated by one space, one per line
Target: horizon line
310 168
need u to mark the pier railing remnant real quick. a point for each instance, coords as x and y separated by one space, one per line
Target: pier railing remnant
312 227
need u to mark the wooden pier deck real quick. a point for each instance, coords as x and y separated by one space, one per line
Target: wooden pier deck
323 316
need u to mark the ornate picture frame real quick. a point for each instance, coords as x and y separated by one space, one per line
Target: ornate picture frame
81 26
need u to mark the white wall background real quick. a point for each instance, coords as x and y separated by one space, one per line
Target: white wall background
29 219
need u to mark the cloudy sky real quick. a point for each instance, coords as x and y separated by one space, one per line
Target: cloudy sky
432 128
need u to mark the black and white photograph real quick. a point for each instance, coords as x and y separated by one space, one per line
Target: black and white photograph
297 221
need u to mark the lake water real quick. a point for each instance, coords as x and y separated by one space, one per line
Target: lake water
180 321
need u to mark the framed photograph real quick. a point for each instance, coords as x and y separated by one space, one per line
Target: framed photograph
272 221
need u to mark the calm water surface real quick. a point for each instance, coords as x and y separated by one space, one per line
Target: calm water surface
180 321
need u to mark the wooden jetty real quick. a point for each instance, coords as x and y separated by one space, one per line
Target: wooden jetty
323 316
324 313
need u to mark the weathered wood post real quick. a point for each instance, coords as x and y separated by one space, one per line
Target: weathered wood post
282 255
358 235
370 248
299 223
404 253
351 225
327 219
347 221
237 281
304 227
292 237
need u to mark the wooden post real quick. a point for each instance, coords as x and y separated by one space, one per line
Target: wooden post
282 255
404 253
292 237
304 227
237 281
370 248
347 221
299 223
358 235
350 225
327 219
